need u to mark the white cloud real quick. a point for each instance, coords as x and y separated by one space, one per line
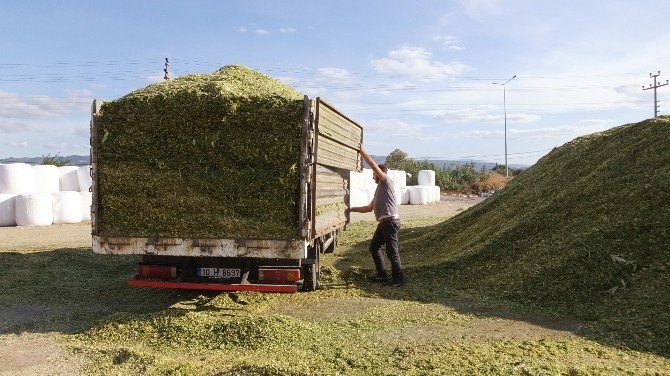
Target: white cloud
477 8
19 144
562 132
57 145
12 126
83 132
337 74
242 29
416 62
42 106
484 114
398 129
450 42
287 30
261 32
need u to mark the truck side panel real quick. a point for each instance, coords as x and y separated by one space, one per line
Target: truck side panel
338 139
337 143
331 200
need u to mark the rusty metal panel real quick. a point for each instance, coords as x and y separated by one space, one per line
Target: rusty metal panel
282 249
338 138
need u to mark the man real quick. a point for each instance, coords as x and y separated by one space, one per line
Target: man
385 208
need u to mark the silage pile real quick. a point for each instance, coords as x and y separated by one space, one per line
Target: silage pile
205 155
585 232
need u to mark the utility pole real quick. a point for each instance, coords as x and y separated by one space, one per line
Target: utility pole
505 110
656 86
167 69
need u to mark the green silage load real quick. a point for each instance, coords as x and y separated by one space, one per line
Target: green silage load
204 155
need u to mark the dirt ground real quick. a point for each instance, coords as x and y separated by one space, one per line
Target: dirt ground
40 238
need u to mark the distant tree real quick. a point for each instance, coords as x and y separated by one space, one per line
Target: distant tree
55 160
500 168
396 158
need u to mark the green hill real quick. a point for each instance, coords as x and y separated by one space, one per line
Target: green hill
584 232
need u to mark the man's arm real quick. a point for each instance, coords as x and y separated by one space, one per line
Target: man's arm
363 209
373 165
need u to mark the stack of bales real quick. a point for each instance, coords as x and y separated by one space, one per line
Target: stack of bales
426 192
362 186
204 155
44 194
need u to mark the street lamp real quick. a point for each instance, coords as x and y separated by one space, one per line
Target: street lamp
505 109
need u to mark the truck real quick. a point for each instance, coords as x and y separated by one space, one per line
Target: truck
328 152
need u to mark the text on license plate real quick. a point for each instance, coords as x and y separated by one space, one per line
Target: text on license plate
219 272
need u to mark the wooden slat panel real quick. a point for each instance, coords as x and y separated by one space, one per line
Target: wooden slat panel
323 201
329 221
338 139
330 191
338 128
330 153
326 192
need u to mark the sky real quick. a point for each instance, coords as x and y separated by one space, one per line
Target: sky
417 75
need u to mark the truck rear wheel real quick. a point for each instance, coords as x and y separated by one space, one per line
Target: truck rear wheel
311 277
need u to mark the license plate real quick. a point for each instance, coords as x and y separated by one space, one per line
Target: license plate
219 273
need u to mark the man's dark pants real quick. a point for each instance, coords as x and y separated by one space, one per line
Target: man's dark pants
387 233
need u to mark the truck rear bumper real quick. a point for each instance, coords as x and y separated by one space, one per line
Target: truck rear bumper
201 247
212 286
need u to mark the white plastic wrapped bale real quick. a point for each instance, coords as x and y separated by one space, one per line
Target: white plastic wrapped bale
7 210
397 192
437 193
427 178
17 178
86 201
433 194
356 180
367 180
34 209
47 178
66 207
395 176
359 197
68 178
402 177
404 198
84 178
418 195
352 180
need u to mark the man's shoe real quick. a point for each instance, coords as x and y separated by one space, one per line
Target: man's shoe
397 283
376 279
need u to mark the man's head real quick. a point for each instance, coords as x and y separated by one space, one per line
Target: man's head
384 170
